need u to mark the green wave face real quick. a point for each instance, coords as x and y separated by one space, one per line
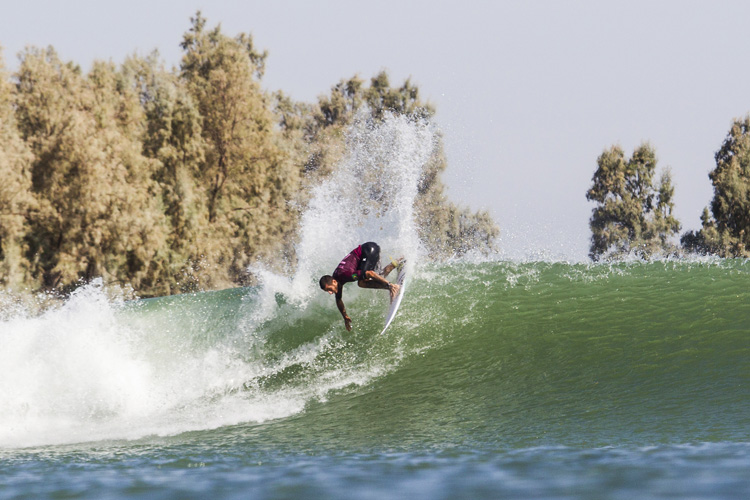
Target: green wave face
581 355
509 355
503 354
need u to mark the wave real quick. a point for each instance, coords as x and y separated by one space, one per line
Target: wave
524 350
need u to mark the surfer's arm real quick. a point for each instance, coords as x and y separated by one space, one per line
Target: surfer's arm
342 310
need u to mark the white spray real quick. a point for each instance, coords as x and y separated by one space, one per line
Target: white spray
96 368
370 197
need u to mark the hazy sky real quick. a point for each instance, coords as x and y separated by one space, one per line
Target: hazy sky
528 93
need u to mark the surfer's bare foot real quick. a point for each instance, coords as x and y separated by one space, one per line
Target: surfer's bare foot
394 288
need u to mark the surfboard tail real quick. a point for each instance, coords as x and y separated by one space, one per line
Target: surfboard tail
396 302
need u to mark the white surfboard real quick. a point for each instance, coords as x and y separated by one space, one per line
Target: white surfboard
400 280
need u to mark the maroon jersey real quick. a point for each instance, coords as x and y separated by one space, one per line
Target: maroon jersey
348 269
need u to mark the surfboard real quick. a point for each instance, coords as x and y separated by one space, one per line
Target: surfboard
393 309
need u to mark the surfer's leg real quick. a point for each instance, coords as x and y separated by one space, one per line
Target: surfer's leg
370 259
391 266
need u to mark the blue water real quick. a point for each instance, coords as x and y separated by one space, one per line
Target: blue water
180 470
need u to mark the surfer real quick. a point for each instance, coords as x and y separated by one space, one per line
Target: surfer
359 265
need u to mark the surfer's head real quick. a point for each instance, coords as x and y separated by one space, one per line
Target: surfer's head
328 284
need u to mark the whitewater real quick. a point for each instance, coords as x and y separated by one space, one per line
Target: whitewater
499 378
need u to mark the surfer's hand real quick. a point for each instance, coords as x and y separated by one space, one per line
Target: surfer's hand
393 288
348 323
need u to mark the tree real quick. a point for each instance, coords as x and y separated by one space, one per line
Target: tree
726 230
381 97
631 215
16 200
446 229
172 138
247 178
97 215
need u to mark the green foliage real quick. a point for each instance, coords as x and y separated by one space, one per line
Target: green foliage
246 177
381 97
726 231
16 200
172 137
177 180
631 215
96 212
446 229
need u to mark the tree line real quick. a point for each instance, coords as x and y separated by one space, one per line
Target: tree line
634 211
173 180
